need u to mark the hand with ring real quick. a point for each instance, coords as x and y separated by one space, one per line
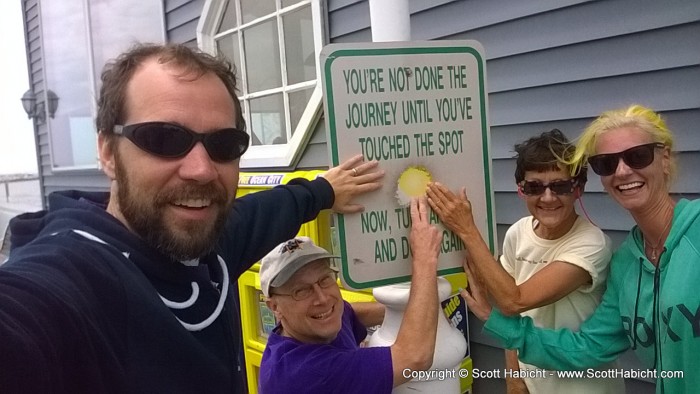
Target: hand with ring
352 178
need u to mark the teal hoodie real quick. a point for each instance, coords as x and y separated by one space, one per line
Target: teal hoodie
663 303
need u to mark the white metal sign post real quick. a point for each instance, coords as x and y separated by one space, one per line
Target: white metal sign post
420 109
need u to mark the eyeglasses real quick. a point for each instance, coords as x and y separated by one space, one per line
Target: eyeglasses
172 141
636 157
303 292
535 188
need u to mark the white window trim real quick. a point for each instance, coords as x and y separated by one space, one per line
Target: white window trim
284 155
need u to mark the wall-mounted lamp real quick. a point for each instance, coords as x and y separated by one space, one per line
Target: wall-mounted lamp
36 109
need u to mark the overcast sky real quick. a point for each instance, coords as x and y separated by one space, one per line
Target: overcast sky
17 152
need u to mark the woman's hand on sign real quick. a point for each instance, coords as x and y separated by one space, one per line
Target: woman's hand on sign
454 211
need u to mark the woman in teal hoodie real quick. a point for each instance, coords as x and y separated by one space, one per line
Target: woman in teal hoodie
652 302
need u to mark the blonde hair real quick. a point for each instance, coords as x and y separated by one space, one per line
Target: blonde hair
636 116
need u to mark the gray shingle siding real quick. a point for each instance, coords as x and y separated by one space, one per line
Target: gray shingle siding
559 64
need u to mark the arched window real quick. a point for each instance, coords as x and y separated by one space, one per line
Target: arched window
274 45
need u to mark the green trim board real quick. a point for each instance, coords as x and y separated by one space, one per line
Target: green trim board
420 109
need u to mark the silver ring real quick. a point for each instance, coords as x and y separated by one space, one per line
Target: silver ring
354 172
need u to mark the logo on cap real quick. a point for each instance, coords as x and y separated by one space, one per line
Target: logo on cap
291 245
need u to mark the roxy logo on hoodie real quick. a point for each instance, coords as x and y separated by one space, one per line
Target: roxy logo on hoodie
680 314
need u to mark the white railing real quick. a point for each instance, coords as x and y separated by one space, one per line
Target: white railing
20 190
18 194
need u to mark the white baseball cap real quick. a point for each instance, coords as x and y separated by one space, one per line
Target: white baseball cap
287 258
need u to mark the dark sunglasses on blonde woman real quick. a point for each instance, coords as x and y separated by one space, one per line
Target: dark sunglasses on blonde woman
636 157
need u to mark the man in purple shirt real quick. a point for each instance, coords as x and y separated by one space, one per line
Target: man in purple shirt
315 348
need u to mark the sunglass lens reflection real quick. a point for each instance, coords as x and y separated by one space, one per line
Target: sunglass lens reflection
637 157
535 188
172 141
162 139
226 145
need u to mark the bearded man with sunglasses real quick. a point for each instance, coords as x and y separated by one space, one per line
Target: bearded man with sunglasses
134 290
652 304
554 263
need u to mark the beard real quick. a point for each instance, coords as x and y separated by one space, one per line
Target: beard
145 210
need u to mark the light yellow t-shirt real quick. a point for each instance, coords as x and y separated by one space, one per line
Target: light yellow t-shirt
585 246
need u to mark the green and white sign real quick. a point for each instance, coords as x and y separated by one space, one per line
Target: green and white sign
420 109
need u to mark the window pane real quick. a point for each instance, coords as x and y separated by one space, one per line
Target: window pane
254 9
299 46
229 19
67 71
262 57
297 104
107 26
67 64
267 124
287 3
228 47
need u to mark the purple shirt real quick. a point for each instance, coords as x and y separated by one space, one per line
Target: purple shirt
289 366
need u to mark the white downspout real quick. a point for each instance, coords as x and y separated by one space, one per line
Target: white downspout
390 20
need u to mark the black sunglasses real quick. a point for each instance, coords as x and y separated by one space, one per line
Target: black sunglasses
172 141
535 188
636 157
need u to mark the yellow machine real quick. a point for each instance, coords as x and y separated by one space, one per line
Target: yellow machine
256 319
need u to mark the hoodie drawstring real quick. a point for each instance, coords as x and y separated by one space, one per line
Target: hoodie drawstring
655 320
219 307
636 306
195 291
658 356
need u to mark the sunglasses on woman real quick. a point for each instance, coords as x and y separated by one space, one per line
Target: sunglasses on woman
636 157
536 188
173 141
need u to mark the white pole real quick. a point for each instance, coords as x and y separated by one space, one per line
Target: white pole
390 20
